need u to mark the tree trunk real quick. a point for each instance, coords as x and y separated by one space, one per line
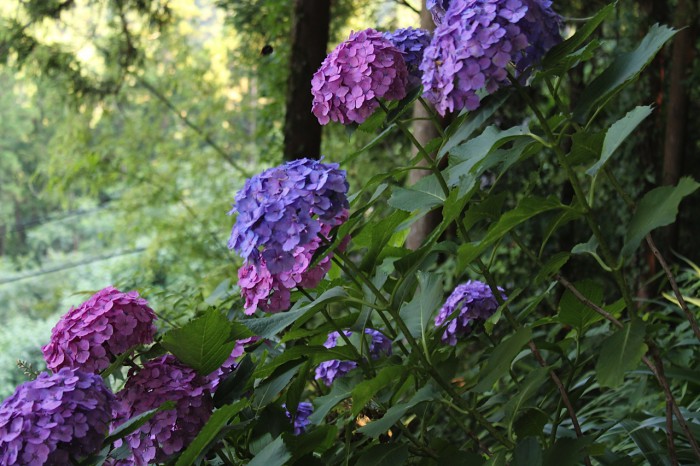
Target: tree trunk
424 131
677 106
302 133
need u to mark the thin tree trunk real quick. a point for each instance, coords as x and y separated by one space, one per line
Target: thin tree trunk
302 133
424 131
677 105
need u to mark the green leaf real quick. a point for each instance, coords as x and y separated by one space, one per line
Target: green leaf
203 343
591 247
472 122
394 454
233 386
268 390
621 71
377 139
274 454
530 423
617 133
502 356
317 440
526 209
526 390
585 147
270 326
365 390
647 442
658 207
570 45
552 266
566 452
620 353
135 422
425 194
417 313
376 428
209 432
323 404
576 314
528 452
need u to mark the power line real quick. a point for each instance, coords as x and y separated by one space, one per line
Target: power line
38 221
71 265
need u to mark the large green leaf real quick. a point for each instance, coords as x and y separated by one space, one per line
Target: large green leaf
268 390
528 452
620 353
570 45
658 207
365 390
417 313
394 454
621 71
617 133
203 343
425 194
502 356
323 404
526 390
270 326
317 440
376 428
526 209
576 314
209 432
274 454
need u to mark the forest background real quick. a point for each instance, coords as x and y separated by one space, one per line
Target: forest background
126 127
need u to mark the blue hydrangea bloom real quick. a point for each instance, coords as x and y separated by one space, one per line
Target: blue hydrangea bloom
328 371
475 43
301 418
285 207
471 301
411 43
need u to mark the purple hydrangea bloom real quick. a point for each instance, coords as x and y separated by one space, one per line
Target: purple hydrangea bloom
301 418
91 336
411 43
474 301
477 40
55 419
167 432
281 213
328 371
359 71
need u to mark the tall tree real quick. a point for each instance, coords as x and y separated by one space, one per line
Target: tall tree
309 37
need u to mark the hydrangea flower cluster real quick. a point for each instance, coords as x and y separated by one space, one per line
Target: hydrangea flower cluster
167 432
360 70
281 212
476 41
411 43
474 301
328 371
104 326
55 419
301 418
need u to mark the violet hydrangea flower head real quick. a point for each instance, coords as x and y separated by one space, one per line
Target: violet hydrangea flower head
472 301
475 43
55 419
301 418
108 324
281 213
360 70
328 371
411 43
169 431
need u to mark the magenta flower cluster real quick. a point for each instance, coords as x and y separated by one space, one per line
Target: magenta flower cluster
55 419
476 41
328 371
411 43
469 302
281 213
169 431
91 336
301 419
359 71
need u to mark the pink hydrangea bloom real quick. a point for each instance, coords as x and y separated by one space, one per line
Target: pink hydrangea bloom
90 336
358 72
